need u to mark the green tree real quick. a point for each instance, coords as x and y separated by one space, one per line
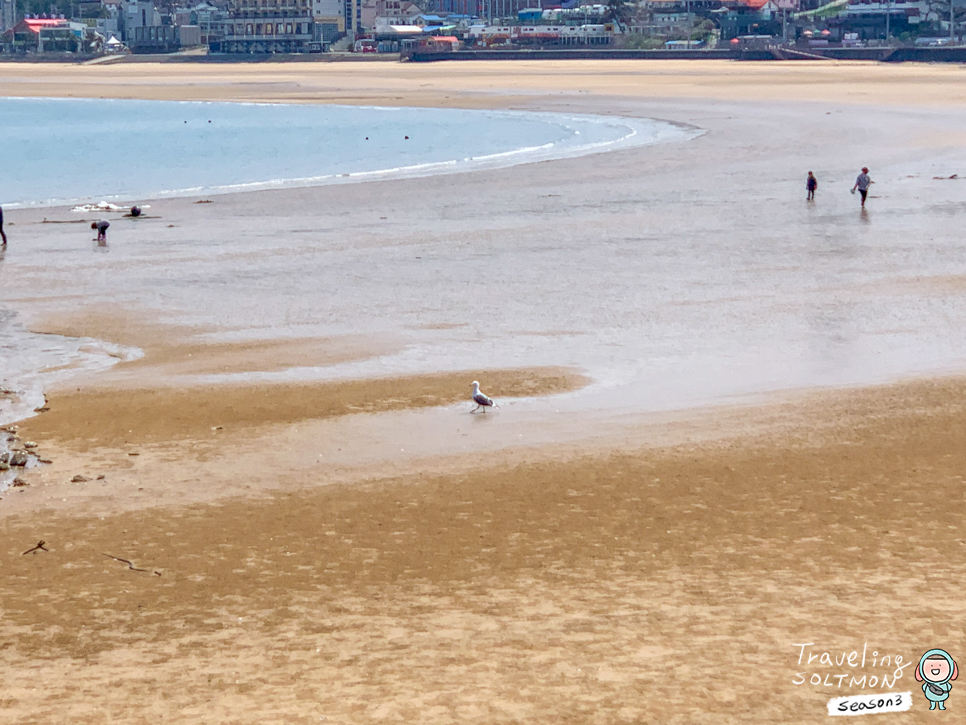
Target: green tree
39 7
618 13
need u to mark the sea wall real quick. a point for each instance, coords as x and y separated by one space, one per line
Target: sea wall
891 55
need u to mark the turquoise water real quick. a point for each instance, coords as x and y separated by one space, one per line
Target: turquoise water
58 151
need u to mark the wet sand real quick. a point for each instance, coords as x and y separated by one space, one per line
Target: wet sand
92 418
621 566
647 586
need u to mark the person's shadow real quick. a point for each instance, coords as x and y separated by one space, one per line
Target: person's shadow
864 216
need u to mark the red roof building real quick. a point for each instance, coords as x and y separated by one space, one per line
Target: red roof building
33 25
40 34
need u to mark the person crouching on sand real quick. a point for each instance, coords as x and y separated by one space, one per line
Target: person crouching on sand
811 184
101 227
862 183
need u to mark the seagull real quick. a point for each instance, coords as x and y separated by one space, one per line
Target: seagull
480 399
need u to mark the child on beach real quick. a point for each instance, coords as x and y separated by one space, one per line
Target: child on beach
3 234
101 227
811 184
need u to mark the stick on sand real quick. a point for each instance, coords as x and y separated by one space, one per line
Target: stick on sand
130 564
39 547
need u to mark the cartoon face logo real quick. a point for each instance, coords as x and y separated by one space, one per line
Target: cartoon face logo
936 670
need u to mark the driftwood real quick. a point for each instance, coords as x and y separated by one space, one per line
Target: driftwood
130 565
39 547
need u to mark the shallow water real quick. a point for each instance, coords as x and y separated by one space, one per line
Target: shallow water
675 275
84 150
31 363
80 150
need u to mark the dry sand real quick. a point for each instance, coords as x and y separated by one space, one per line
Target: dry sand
659 586
495 84
598 583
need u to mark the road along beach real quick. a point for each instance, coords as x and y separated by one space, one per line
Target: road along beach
729 422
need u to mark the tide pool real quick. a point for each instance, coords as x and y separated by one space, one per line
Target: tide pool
61 151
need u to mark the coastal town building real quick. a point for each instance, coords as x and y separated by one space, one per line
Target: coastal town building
502 8
165 38
144 28
45 35
329 17
134 14
353 16
270 26
469 8
104 16
301 26
868 17
209 19
8 14
485 36
376 13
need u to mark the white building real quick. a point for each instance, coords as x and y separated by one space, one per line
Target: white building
270 26
389 12
329 17
136 14
912 12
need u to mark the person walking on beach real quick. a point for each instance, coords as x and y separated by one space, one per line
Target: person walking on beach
862 183
3 234
101 227
811 184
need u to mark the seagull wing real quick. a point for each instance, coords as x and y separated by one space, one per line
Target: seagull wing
481 399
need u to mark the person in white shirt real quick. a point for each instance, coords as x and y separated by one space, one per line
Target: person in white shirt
862 183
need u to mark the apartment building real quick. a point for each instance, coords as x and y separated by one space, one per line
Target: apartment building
330 18
270 26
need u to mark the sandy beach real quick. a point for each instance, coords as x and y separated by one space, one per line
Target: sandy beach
638 535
